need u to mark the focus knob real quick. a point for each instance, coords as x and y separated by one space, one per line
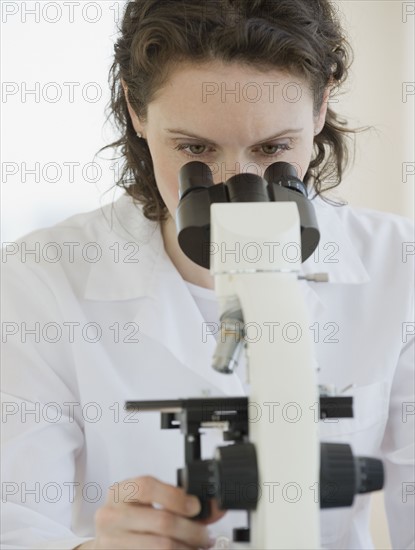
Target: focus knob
236 477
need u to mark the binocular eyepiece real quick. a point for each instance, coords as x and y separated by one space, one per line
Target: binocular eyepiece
244 187
198 192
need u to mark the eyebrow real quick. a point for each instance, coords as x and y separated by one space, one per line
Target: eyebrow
191 135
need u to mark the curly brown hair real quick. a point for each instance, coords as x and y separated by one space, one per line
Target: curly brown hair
304 37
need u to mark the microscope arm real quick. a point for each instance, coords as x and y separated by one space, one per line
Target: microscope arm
281 370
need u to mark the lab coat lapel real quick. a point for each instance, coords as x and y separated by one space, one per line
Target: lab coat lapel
171 317
336 255
166 311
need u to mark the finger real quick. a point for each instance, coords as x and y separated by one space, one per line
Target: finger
145 519
149 490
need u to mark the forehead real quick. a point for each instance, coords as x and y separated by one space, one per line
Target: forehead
234 88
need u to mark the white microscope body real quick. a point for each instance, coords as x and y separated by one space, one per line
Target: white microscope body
262 275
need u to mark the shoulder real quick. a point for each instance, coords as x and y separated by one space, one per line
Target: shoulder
96 249
119 217
374 225
78 235
378 237
381 238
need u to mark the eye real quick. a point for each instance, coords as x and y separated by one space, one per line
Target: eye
279 147
195 149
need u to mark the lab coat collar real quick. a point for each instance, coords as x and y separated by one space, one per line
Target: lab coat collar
170 316
336 254
132 246
124 278
166 311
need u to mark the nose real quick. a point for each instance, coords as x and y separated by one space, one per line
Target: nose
223 170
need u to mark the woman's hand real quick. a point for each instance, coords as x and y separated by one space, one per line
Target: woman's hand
129 521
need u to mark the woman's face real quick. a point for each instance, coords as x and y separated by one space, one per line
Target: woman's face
231 117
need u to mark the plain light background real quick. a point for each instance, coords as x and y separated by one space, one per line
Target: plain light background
55 61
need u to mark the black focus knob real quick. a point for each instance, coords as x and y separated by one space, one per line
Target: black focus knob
235 476
196 479
370 474
337 475
342 475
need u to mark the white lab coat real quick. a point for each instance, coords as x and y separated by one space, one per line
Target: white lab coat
59 461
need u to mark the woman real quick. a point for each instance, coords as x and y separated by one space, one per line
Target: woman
120 314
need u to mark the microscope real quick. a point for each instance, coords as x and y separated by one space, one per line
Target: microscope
275 468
